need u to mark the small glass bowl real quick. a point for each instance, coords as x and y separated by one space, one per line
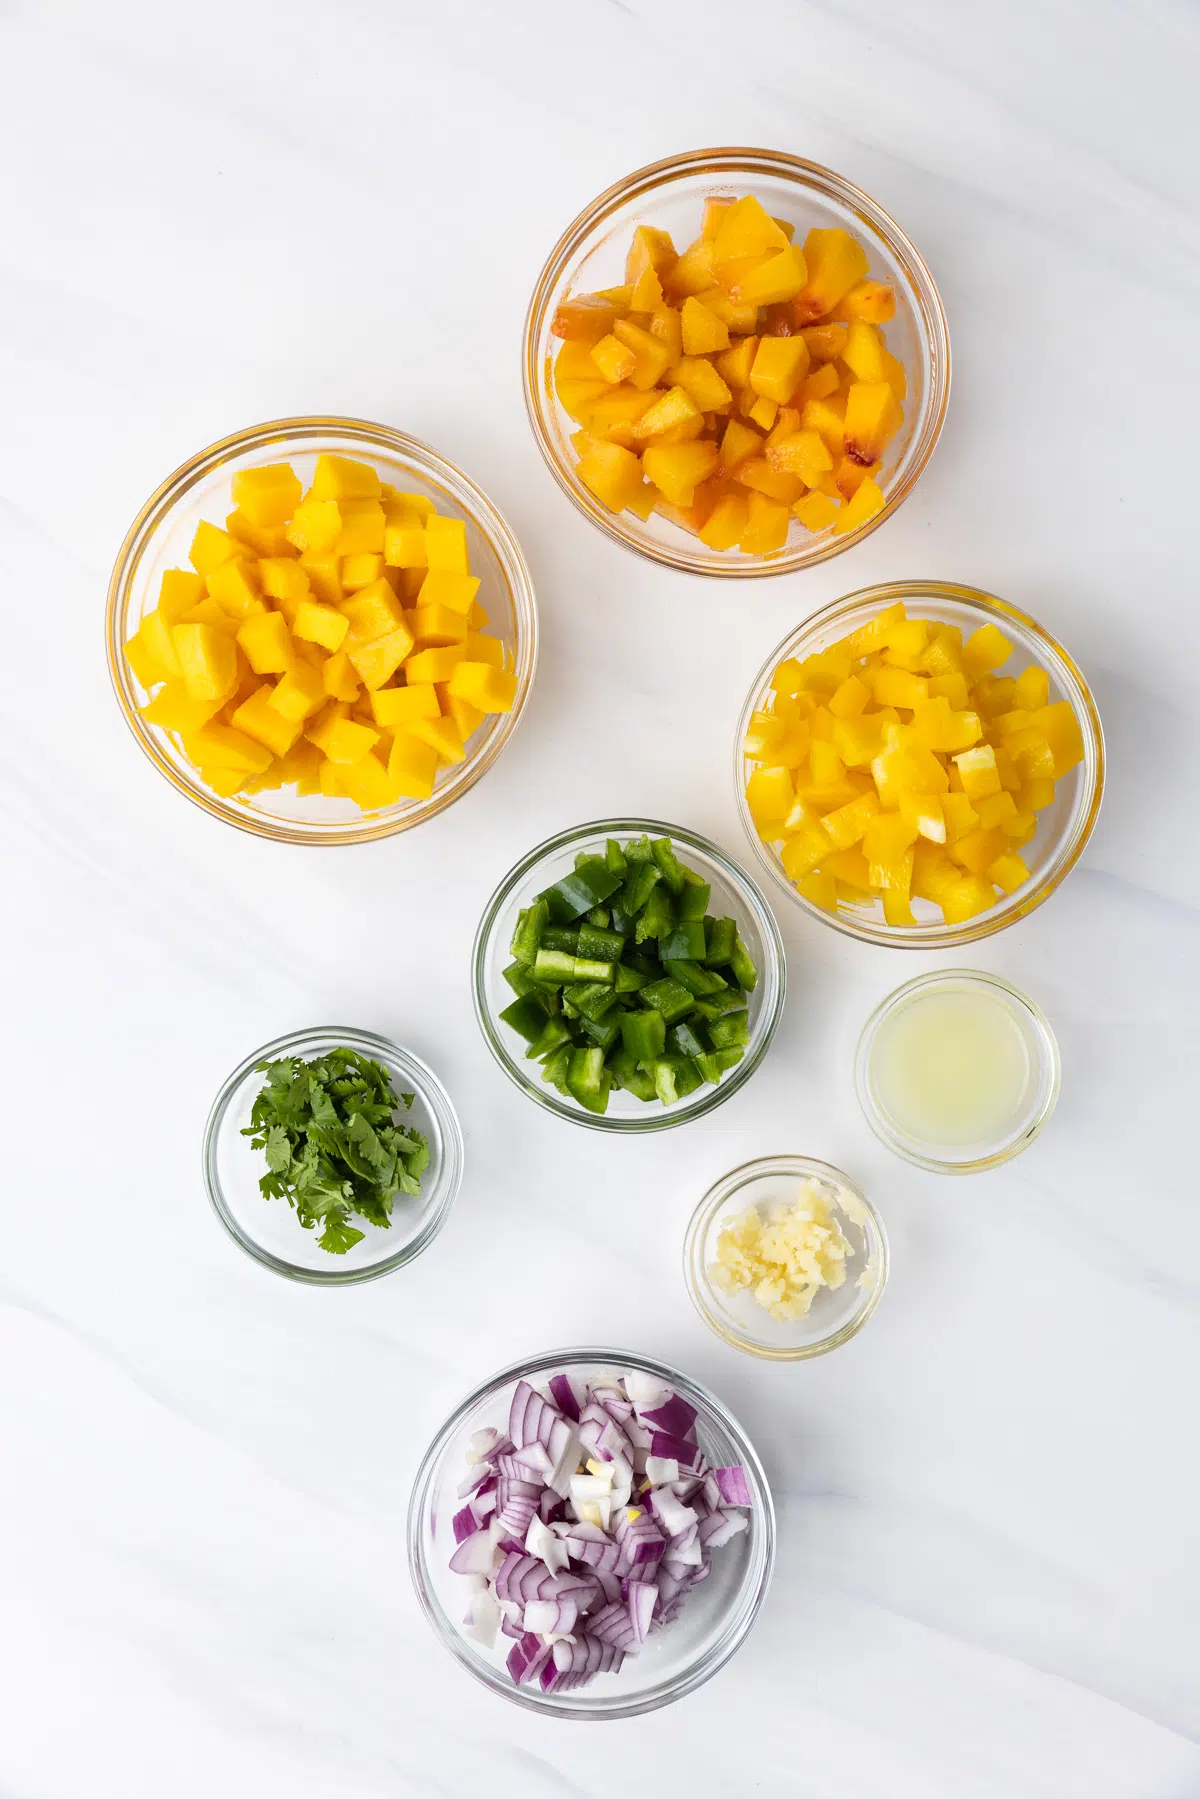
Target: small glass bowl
1063 828
268 1229
161 535
670 196
712 1624
836 1314
1041 1095
734 894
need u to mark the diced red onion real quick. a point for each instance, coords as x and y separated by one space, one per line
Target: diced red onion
464 1524
675 1416
642 1599
475 1554
733 1485
564 1396
675 1449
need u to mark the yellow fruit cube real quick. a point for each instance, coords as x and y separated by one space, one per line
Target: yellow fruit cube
404 543
436 625
441 733
674 416
317 623
338 678
151 650
977 771
819 383
396 707
453 591
483 649
651 353
677 469
262 540
770 282
341 739
446 544
373 612
804 453
725 523
698 378
368 783
180 590
259 719
207 660
284 580
377 661
484 687
315 526
816 511
835 262
863 353
300 693
613 359
985 649
761 411
778 367
267 496
612 473
412 766
745 229
766 526
872 301
174 709
344 478
828 419
361 570
433 665
468 718
222 746
362 528
871 421
210 548
266 642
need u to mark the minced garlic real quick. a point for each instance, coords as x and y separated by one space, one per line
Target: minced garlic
785 1254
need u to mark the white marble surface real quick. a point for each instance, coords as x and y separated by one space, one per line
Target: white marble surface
987 1582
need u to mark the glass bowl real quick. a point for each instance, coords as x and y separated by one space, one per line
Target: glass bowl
836 1314
159 539
268 1229
987 1150
669 196
1063 828
733 893
712 1624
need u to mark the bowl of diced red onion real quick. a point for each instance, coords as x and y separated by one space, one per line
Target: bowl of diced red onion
591 1534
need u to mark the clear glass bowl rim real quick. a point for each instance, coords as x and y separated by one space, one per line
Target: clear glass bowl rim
770 1013
901 1146
763 1516
719 1195
423 1079
736 159
994 610
285 432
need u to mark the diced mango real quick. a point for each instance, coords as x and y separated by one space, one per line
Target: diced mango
377 661
175 710
677 469
267 643
324 574
359 571
412 766
210 548
441 733
259 719
320 624
224 746
267 496
299 693
344 478
487 688
368 783
180 590
207 660
315 526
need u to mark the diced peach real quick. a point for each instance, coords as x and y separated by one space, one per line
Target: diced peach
866 504
725 523
674 416
778 367
835 262
613 474
872 301
651 353
703 331
614 359
676 469
584 319
872 418
766 526
697 376
779 277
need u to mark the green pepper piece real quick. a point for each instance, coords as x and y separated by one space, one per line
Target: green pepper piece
586 1071
640 883
598 1101
527 1016
685 942
556 936
527 937
639 850
713 1065
720 939
644 1034
742 968
554 1068
590 968
591 999
668 997
614 858
555 1032
715 1005
620 919
672 870
598 916
604 1031
657 916
599 945
554 966
693 901
697 980
519 980
683 1039
674 1078
626 1073
726 1032
729 1058
630 979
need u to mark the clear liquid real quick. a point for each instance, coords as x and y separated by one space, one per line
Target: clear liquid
952 1068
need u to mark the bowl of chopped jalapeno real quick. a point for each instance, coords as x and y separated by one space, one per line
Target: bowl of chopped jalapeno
628 975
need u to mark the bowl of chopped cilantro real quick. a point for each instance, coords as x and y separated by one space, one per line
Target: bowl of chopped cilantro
332 1156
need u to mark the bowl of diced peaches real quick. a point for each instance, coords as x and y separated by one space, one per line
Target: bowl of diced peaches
736 363
321 631
920 764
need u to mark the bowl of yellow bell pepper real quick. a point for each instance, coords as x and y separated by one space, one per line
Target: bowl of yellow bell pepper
736 363
920 764
321 631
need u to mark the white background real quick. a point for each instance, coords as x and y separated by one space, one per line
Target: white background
987 1581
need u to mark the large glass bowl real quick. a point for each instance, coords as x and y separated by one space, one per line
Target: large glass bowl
734 895
670 196
1063 828
718 1613
268 1229
159 539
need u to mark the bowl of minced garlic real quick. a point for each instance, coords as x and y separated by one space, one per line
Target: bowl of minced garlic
785 1258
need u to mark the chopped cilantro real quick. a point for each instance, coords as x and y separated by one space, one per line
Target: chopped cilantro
327 1130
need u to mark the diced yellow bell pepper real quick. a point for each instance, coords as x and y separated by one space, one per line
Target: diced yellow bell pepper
886 839
770 796
207 659
977 771
894 687
960 815
1032 689
819 888
412 766
317 623
985 649
995 810
978 849
849 700
266 496
1060 728
266 642
848 824
1009 871
924 811
897 909
965 898
933 872
952 688
804 852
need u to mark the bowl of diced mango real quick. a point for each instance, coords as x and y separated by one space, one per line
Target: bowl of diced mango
920 764
321 631
736 363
